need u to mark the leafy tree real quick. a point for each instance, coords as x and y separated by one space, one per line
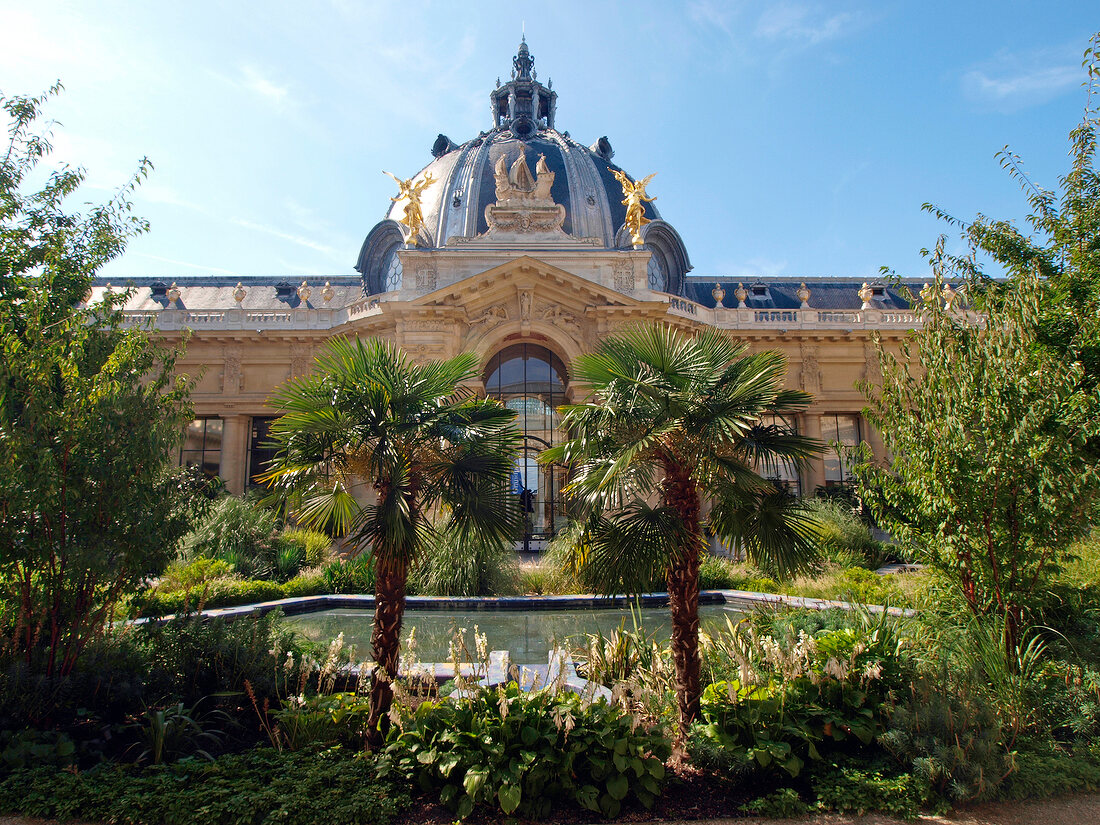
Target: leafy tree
88 413
992 419
991 477
681 416
369 416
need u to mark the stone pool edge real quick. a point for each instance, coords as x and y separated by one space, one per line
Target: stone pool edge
746 599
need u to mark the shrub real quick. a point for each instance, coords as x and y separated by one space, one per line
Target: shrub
523 752
316 547
247 537
192 657
470 566
842 538
546 579
187 575
334 786
1044 769
354 575
305 585
860 789
716 573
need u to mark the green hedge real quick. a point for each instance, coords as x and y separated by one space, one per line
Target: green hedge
228 593
334 786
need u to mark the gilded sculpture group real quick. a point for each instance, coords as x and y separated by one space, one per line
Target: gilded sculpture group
519 182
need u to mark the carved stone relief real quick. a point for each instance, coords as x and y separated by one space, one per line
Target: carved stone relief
559 317
231 371
425 279
810 372
624 276
494 315
301 360
872 370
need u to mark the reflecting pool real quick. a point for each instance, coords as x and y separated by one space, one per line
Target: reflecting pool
527 635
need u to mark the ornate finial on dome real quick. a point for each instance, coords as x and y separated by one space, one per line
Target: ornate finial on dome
522 63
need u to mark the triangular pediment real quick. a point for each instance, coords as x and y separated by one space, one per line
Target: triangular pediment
547 281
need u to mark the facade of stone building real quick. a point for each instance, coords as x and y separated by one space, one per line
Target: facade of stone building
523 257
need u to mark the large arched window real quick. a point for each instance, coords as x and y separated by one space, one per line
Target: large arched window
531 380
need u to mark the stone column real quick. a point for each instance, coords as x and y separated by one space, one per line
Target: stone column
814 474
235 431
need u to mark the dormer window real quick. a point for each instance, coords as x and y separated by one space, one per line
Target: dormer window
760 291
878 292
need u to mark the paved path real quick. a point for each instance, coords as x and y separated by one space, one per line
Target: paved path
1081 809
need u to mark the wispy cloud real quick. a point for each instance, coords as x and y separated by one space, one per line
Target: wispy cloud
1020 88
802 24
256 81
286 236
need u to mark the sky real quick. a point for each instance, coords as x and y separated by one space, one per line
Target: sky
790 138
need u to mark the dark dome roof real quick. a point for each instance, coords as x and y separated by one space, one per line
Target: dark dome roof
453 206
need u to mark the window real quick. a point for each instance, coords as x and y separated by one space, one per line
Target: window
202 446
655 272
531 380
782 473
260 451
841 433
392 278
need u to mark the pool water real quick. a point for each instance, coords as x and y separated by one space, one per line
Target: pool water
527 635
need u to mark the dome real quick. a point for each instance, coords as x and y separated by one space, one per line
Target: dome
454 205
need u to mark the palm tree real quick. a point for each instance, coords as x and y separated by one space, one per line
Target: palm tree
685 416
369 416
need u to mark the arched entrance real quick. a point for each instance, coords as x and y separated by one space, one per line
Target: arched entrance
531 380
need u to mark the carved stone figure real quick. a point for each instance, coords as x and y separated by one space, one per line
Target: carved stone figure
494 315
810 372
560 317
301 359
231 371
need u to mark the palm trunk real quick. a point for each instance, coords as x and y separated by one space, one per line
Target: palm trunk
683 598
389 610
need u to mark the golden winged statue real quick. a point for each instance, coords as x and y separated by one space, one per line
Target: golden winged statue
407 190
634 199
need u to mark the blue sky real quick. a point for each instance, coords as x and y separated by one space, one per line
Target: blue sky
790 138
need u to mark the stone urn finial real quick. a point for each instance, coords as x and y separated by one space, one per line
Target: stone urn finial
865 294
803 295
173 293
949 296
304 292
927 294
741 294
239 292
327 292
718 293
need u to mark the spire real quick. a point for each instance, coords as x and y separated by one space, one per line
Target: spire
523 105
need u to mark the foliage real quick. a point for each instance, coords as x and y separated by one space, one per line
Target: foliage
524 752
177 731
316 547
681 415
1044 769
247 538
717 573
354 575
852 787
948 741
20 749
88 413
784 803
258 786
368 414
991 479
842 537
193 657
223 592
781 705
322 719
456 565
